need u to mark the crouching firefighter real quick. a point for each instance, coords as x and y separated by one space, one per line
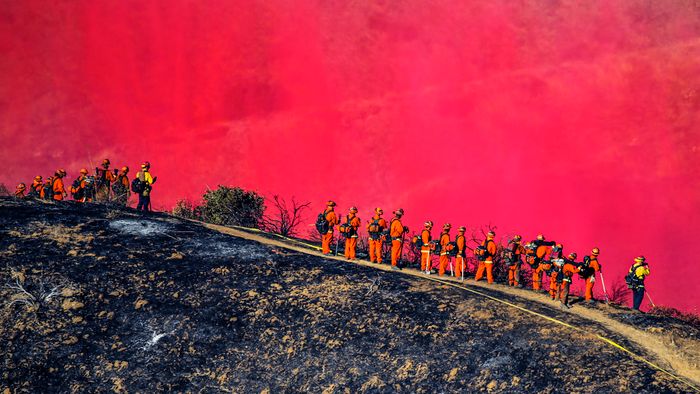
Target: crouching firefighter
513 258
396 232
349 231
375 228
635 280
484 253
325 224
19 190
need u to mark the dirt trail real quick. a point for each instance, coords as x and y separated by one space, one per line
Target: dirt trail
683 362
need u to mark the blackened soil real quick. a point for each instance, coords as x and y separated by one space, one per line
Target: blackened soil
153 303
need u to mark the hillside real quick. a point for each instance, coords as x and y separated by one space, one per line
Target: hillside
120 302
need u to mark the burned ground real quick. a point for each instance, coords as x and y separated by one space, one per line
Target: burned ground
99 299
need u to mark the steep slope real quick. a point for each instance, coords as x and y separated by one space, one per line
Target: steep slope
121 302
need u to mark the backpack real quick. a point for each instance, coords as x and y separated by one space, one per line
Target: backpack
463 254
483 251
631 278
451 249
417 241
138 186
48 191
585 270
118 187
89 189
76 191
322 224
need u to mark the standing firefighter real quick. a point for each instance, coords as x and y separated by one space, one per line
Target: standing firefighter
568 270
484 254
121 187
58 190
375 228
142 185
77 189
554 268
461 243
47 190
513 257
535 254
425 239
444 249
396 232
589 268
635 280
36 187
103 181
349 230
325 224
19 190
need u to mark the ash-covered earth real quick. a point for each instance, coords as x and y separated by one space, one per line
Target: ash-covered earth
102 299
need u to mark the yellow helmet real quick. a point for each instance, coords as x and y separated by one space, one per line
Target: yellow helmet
595 251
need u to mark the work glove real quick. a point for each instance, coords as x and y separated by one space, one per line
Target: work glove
593 279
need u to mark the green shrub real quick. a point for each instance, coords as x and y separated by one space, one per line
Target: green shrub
232 206
186 209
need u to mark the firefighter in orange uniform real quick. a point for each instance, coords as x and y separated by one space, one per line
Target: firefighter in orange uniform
59 191
426 237
121 187
396 232
535 254
352 223
514 260
47 189
375 228
104 178
554 267
332 220
36 187
460 263
19 190
485 255
591 266
78 187
568 270
444 241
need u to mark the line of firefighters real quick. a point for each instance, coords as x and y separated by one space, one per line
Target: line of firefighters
543 257
104 186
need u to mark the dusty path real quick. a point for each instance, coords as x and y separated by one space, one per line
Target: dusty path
681 363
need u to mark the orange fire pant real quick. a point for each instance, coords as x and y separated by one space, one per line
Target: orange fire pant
553 286
589 288
537 276
350 246
513 274
58 197
396 252
459 266
485 266
326 242
564 291
425 258
375 250
444 262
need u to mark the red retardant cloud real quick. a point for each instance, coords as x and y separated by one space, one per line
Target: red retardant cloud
579 120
